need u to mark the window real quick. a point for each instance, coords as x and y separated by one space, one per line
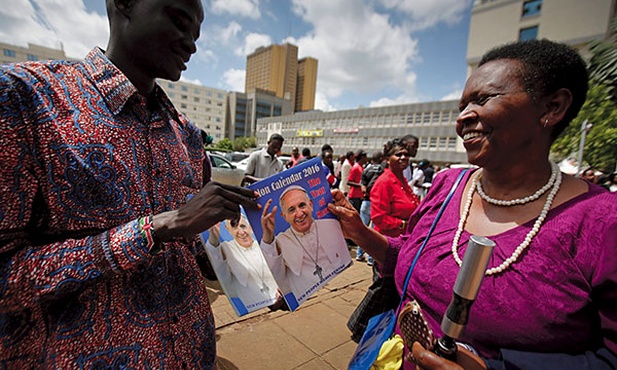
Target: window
170 85
185 88
532 7
443 142
530 33
9 53
423 143
432 143
32 57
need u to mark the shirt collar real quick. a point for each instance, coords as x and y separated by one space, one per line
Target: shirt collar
115 87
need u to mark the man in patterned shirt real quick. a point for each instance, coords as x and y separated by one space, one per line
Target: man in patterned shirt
97 238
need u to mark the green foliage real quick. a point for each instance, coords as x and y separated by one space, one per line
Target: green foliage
600 150
224 145
241 143
603 63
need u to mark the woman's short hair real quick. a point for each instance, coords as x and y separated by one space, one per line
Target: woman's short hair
391 146
547 66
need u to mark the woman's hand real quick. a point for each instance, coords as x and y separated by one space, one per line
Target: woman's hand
428 360
349 218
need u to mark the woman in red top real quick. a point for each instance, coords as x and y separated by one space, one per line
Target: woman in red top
392 200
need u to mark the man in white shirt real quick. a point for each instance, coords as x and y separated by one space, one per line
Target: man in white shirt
417 180
412 144
264 162
345 169
309 253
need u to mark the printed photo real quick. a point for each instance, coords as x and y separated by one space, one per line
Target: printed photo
301 240
240 266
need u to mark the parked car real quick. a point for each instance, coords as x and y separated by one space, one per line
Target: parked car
224 171
284 159
242 164
235 157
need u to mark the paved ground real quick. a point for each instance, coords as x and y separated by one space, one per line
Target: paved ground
314 337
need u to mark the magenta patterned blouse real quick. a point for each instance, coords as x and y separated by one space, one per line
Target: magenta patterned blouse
559 297
82 159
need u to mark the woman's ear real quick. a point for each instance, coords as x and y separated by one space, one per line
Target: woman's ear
557 104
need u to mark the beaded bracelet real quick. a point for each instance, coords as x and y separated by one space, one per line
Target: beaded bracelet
147 232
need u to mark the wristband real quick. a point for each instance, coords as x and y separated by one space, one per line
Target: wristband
147 232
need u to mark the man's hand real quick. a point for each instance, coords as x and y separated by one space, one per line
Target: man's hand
213 204
430 361
268 222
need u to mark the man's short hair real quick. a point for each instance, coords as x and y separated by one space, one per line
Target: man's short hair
278 137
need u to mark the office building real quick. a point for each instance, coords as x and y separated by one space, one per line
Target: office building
205 106
573 22
276 68
369 128
306 84
245 108
15 54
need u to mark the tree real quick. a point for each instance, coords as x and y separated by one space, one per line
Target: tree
241 143
224 144
600 150
603 63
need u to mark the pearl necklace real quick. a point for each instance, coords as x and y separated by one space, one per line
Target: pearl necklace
528 199
517 252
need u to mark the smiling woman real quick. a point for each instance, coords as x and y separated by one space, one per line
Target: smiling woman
544 299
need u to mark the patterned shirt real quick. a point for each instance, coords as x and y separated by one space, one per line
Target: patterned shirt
84 156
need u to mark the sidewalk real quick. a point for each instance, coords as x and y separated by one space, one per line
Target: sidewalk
314 337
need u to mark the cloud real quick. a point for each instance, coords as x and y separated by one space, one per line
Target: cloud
191 81
454 95
359 49
251 42
321 103
428 13
242 8
55 24
233 79
229 32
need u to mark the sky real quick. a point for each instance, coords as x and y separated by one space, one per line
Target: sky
371 53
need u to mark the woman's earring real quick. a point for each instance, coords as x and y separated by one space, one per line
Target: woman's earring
546 123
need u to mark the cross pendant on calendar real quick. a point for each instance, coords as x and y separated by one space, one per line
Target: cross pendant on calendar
318 272
264 288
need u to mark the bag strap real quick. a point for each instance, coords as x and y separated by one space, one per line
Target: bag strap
430 231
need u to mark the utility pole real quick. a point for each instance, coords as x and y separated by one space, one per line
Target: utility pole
585 127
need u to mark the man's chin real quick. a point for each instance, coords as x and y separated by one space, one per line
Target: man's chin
302 228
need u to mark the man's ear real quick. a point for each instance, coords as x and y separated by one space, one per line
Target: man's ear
557 105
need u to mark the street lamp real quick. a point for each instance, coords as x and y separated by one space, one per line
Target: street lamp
585 127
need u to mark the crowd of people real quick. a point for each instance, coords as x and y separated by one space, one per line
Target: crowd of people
106 188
